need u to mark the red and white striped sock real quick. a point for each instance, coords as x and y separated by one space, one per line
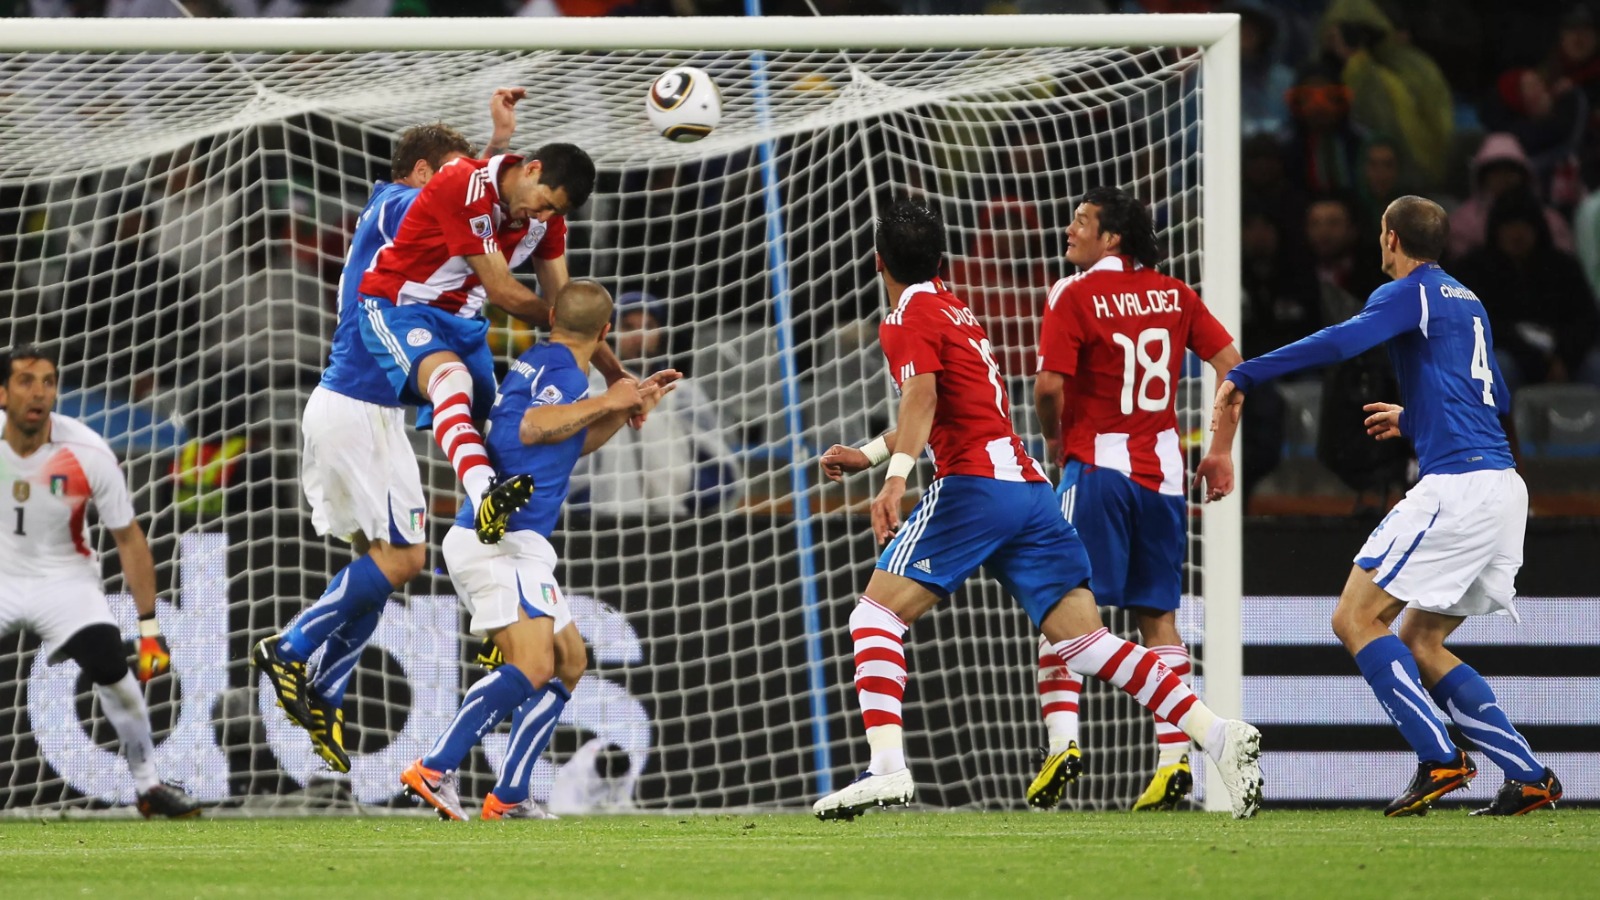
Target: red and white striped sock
1171 742
450 389
1059 690
1142 675
880 682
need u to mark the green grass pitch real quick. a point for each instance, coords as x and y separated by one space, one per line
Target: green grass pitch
921 855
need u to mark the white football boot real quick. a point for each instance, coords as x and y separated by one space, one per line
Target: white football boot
893 789
1239 764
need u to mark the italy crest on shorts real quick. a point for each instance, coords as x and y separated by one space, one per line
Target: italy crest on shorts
417 518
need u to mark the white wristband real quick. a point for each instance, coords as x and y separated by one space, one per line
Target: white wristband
149 628
901 464
877 451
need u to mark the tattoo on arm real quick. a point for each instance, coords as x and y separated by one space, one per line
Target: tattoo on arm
533 434
495 148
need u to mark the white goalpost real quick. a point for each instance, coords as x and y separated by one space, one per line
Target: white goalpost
175 202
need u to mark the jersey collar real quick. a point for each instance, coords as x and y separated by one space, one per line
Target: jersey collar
921 287
495 165
1115 263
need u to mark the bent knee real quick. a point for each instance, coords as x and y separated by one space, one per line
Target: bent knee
400 563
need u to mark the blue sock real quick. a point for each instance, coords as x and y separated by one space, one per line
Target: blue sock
490 700
341 653
1391 670
531 729
357 588
1464 694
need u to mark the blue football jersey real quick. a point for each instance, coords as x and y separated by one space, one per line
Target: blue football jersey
546 375
351 369
1443 354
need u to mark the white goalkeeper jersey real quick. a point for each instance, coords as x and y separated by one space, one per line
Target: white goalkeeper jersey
43 533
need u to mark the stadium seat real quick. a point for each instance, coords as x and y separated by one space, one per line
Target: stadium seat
1302 411
1558 421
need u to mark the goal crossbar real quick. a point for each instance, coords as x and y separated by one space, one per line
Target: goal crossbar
730 33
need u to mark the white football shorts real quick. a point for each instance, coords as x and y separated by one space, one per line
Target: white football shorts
1454 544
54 608
359 471
494 580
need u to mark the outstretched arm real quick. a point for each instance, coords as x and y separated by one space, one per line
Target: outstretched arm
919 399
554 423
1384 317
503 113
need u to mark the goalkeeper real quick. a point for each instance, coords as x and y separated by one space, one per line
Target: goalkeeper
540 426
50 579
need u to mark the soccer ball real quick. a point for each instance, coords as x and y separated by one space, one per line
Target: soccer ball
684 104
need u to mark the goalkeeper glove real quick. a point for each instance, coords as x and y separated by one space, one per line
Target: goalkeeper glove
154 657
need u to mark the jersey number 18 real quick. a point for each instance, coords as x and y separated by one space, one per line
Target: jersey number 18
1139 365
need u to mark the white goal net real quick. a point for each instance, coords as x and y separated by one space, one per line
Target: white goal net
172 224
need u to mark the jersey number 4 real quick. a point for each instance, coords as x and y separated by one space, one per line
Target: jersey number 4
1480 361
1141 370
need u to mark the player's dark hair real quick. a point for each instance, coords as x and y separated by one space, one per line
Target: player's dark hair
565 167
430 142
1422 226
21 352
1122 214
910 240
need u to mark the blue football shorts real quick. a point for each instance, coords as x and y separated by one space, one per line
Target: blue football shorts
1012 529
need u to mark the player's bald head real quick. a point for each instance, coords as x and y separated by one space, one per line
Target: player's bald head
583 308
1422 226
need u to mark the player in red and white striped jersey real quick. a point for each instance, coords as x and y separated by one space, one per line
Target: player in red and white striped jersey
424 294
1111 352
989 506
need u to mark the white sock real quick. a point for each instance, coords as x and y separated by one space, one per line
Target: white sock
124 706
1059 693
888 749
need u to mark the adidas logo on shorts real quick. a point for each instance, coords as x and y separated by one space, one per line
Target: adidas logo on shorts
923 566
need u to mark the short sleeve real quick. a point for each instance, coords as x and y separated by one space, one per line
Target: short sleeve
461 204
106 483
1060 333
910 343
393 212
558 388
1207 337
554 243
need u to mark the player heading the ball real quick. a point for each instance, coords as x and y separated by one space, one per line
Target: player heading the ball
989 505
423 299
357 467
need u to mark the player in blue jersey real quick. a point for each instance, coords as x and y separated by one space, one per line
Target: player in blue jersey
1452 547
357 468
541 424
